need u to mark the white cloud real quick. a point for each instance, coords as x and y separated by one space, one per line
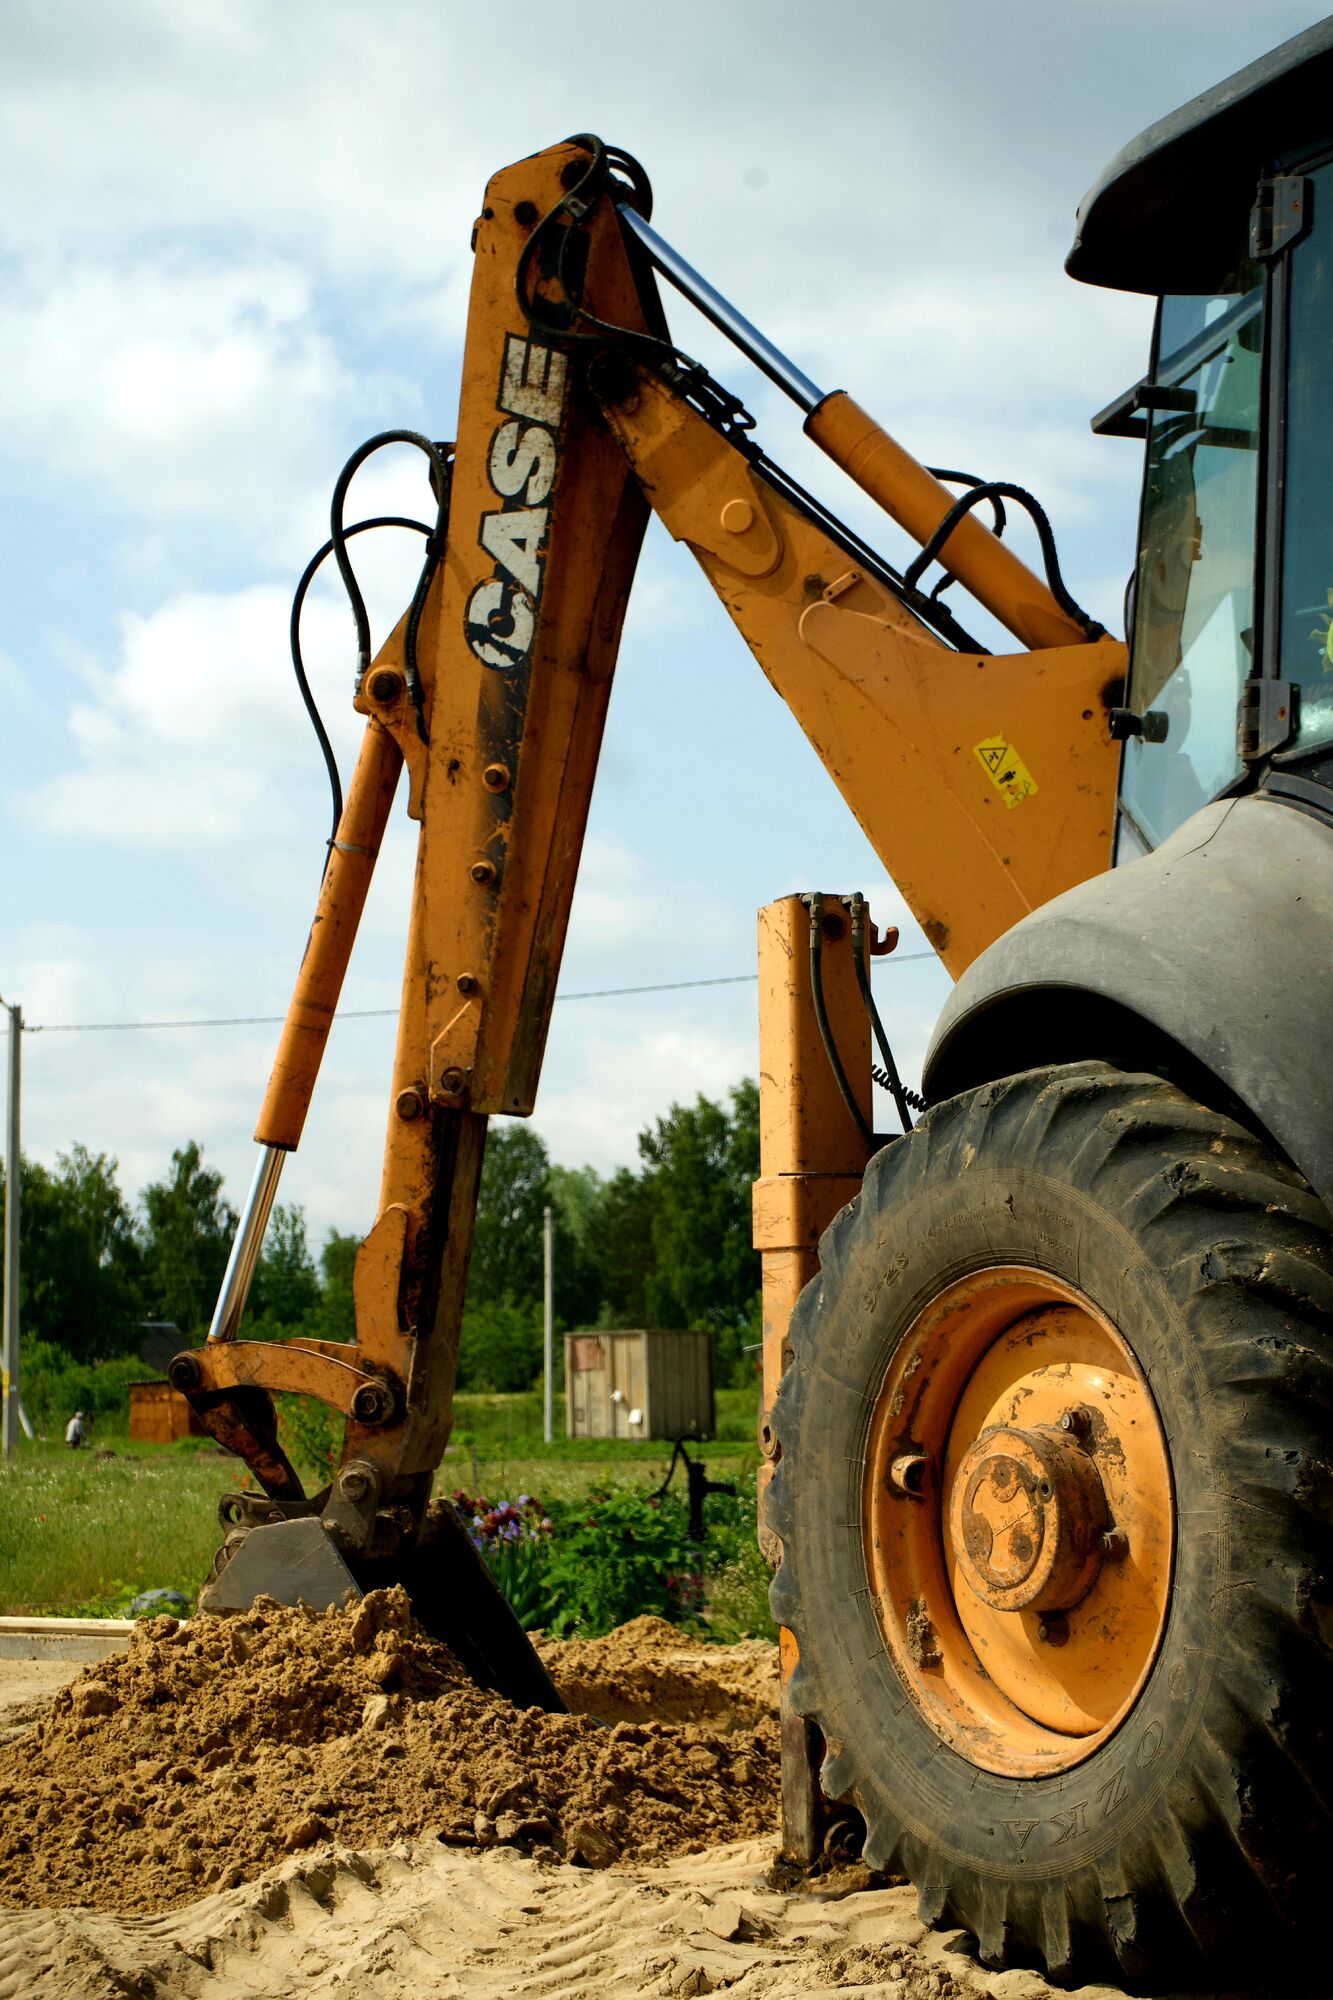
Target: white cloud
614 1076
183 386
181 741
628 909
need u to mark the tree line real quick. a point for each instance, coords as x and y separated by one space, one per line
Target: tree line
664 1244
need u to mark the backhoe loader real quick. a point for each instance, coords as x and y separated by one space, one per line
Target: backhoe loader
1048 1375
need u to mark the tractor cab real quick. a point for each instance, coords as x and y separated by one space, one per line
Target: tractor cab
1224 211
1205 959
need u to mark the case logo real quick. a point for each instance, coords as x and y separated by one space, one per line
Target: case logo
501 615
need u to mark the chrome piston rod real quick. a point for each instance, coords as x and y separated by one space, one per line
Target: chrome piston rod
722 313
246 1245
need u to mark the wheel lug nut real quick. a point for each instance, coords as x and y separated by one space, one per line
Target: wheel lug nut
1054 1631
1077 1423
1115 1545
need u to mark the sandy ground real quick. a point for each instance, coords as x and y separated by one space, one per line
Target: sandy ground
424 1920
26 1688
427 1920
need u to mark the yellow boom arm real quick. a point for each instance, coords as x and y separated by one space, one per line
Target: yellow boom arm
985 783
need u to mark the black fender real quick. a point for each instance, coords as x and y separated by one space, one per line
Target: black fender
1209 961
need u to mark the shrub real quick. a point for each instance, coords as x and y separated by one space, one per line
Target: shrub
310 1433
616 1555
54 1385
581 1567
737 1575
515 1539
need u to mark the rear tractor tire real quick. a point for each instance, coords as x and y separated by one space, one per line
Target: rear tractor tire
1056 1513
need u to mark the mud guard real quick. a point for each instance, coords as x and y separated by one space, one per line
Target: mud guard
1207 960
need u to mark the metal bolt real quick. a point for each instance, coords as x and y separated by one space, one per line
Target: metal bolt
386 686
496 777
907 1473
737 516
482 873
354 1484
1054 1631
466 983
1115 1545
1077 1423
372 1403
185 1373
525 212
410 1103
451 1081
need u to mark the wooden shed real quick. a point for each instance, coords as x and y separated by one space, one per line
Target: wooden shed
647 1382
159 1414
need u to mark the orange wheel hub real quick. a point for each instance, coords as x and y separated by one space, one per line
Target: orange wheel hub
1019 1521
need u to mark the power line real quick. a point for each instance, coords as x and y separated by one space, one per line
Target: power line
386 1013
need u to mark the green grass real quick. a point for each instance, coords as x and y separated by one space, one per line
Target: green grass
514 1424
504 1434
79 1537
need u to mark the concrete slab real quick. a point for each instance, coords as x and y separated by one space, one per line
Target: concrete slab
77 1639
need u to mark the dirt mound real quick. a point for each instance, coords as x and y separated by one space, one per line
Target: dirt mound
646 1670
211 1749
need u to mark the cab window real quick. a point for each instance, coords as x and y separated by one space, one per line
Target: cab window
1194 595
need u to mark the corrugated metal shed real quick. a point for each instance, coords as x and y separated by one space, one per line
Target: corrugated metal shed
641 1382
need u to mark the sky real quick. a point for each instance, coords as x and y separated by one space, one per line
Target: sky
234 242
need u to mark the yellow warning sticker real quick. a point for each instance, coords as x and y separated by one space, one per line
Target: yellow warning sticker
1006 770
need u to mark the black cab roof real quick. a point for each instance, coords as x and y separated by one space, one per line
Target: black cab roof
1170 212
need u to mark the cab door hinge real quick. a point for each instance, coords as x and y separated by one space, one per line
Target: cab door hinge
1280 216
1265 716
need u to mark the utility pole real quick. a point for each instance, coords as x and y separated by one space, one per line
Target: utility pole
9 1372
548 1330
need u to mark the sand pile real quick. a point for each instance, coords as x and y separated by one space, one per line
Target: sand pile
211 1749
649 1671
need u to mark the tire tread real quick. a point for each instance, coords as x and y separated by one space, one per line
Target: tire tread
1245 1247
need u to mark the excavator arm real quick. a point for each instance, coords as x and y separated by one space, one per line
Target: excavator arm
984 782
